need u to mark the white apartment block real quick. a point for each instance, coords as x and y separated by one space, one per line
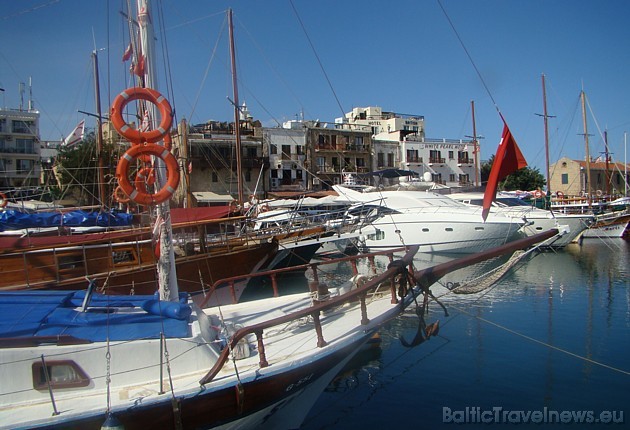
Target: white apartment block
20 160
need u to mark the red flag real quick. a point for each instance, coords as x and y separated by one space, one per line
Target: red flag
127 53
138 69
508 159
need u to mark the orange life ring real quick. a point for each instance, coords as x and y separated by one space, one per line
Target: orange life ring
3 200
139 196
560 194
538 194
120 195
133 134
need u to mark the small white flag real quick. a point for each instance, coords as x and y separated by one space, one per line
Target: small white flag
76 136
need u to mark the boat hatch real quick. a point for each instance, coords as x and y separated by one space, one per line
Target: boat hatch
61 374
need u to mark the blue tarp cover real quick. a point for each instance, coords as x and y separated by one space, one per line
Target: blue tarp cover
57 313
15 220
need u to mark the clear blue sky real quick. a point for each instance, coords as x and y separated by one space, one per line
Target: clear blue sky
400 55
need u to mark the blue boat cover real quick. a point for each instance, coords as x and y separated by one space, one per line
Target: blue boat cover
15 220
25 314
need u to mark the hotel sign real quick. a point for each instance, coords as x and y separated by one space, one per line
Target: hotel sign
457 146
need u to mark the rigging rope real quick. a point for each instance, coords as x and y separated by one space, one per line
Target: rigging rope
540 342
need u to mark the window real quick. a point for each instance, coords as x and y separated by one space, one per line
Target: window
61 374
286 152
273 149
248 175
451 177
321 163
565 178
20 126
450 155
390 160
123 256
24 166
70 262
380 159
24 146
215 177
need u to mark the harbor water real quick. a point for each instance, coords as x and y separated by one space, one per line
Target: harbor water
547 346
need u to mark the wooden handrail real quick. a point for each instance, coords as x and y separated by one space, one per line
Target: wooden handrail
273 273
424 278
313 310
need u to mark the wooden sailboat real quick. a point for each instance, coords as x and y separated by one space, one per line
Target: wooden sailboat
609 223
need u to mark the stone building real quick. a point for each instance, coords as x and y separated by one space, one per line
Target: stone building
570 177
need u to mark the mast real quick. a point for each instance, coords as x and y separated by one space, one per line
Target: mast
475 143
588 156
167 276
546 122
607 165
625 163
99 133
237 125
188 200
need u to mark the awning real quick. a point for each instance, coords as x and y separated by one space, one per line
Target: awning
210 197
389 173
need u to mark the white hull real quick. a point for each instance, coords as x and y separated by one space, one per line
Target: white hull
536 220
442 235
609 231
431 221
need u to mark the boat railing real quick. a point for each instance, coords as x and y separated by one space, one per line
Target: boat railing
422 279
274 274
360 293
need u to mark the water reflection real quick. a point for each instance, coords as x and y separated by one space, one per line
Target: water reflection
554 332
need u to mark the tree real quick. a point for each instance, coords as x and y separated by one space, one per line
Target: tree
76 170
523 179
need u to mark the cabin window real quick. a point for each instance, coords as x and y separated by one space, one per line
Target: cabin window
62 374
479 228
124 256
426 230
378 235
70 262
448 229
